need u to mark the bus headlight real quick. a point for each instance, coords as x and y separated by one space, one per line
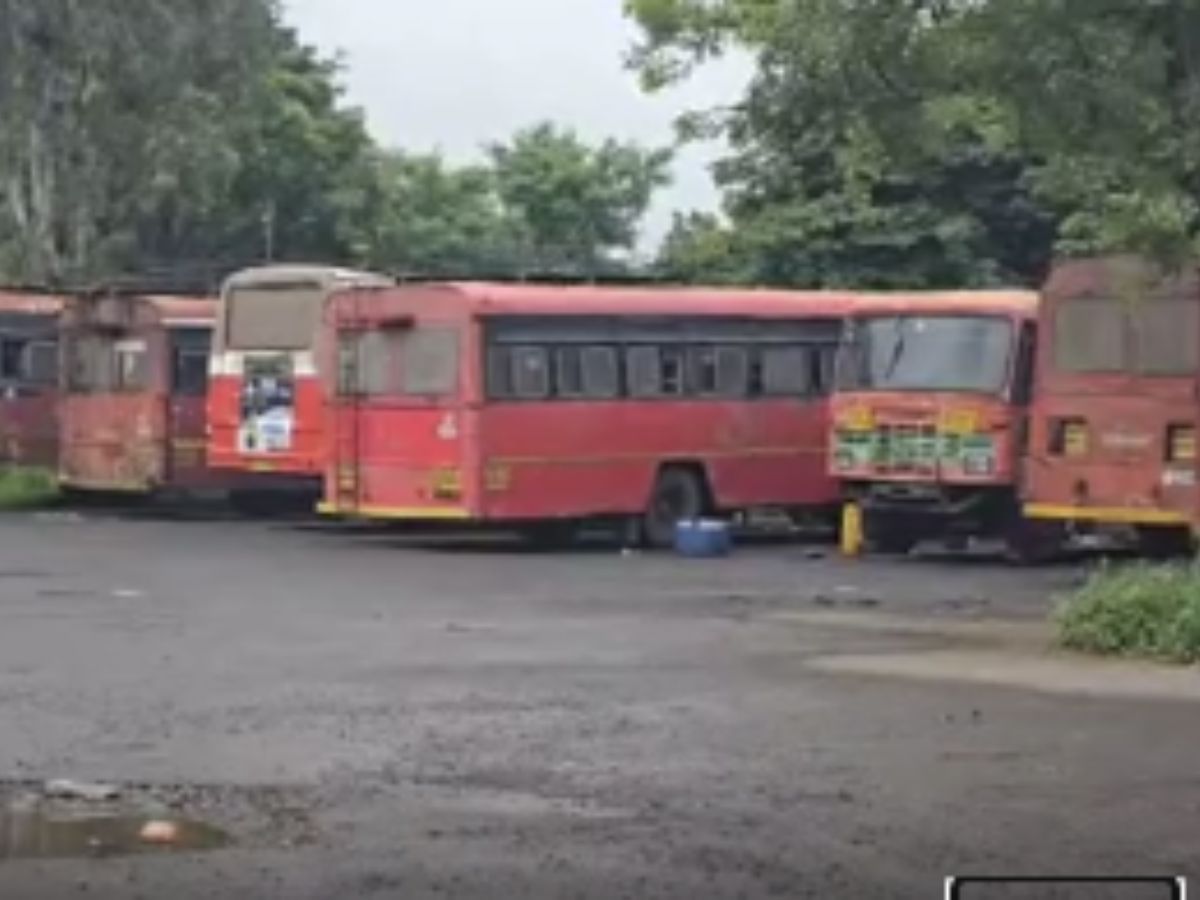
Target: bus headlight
1181 443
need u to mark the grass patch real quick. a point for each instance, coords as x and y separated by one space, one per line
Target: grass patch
1148 611
26 488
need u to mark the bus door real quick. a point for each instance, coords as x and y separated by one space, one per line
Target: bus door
346 419
188 351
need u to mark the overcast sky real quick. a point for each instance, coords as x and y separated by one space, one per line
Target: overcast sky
455 74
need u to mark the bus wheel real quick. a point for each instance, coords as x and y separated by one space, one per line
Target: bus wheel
1165 543
678 496
888 534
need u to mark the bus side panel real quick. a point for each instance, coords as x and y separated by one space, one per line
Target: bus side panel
401 461
29 426
1124 466
114 441
561 459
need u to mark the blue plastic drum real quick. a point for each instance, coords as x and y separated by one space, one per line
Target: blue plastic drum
703 539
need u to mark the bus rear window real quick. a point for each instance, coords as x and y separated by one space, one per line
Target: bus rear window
417 363
1089 336
273 318
1166 332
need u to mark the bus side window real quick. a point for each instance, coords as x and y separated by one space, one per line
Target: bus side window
499 373
531 373
674 371
644 368
786 371
601 372
568 373
10 359
41 362
1024 369
823 361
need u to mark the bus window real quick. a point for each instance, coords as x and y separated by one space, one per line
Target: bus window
130 366
1089 336
720 371
568 372
1165 334
273 317
429 361
531 373
644 366
786 372
499 373
41 362
90 365
10 359
601 373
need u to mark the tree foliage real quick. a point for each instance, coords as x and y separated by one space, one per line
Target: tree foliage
575 205
945 138
164 135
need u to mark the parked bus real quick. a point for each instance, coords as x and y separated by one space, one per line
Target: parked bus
930 415
266 405
134 384
1114 429
29 379
543 406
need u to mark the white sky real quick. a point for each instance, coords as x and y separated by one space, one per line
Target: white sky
456 74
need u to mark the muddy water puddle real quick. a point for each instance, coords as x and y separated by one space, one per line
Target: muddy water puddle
43 830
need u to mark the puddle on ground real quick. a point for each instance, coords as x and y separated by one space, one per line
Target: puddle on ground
41 831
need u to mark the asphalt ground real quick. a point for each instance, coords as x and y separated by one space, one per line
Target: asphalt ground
367 713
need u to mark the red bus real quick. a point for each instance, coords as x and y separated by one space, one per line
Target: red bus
1114 431
29 379
542 406
931 412
266 405
134 384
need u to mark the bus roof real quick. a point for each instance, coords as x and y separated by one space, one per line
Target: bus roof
991 302
182 310
328 277
496 299
32 304
1116 274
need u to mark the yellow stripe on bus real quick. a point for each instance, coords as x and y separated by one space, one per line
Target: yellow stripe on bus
397 513
1114 515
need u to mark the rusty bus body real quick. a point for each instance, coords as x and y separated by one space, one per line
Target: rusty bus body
134 383
29 378
1113 443
930 412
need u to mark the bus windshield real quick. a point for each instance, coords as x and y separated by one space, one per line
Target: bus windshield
927 353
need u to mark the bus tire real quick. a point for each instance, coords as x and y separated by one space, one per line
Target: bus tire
679 494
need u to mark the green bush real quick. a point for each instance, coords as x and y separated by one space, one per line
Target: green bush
26 488
1150 611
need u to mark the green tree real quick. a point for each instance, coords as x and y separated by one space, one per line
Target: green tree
1097 98
576 205
155 133
848 167
440 220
